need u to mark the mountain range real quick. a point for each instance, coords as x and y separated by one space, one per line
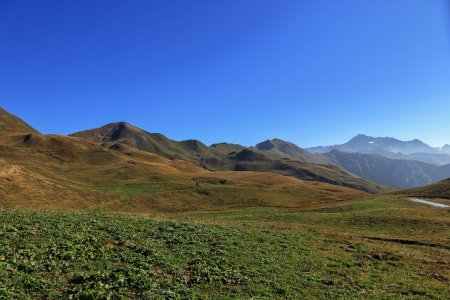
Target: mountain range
397 173
274 156
90 169
391 148
374 159
365 163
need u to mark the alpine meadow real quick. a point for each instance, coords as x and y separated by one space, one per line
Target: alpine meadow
224 149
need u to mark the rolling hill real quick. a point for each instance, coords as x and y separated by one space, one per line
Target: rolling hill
66 172
440 189
274 156
214 233
191 150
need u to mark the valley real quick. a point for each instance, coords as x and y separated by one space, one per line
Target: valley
120 212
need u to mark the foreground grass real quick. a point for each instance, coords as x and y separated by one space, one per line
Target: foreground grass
96 256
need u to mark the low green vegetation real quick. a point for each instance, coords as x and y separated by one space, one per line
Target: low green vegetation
384 216
248 254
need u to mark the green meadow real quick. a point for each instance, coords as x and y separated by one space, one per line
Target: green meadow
378 248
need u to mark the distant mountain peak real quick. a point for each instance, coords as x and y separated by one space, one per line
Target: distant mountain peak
386 146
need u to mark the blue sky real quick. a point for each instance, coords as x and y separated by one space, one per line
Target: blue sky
314 72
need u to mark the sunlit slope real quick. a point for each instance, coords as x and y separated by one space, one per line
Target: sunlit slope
64 172
274 156
191 150
55 171
437 190
10 124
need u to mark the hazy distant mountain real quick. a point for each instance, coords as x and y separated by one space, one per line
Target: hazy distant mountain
445 149
379 145
430 158
391 148
393 172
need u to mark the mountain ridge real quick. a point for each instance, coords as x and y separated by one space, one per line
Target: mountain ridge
279 157
391 148
393 172
71 173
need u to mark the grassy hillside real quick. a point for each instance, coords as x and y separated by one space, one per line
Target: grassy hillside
437 190
250 160
10 124
191 151
275 156
62 172
362 249
51 171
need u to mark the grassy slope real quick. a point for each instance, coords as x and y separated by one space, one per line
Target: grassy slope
10 124
433 191
60 172
301 164
223 191
378 248
312 172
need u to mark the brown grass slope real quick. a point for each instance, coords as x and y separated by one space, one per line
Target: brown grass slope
59 168
437 190
191 150
54 171
10 124
275 156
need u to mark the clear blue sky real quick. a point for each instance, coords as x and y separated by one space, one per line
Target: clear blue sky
314 72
